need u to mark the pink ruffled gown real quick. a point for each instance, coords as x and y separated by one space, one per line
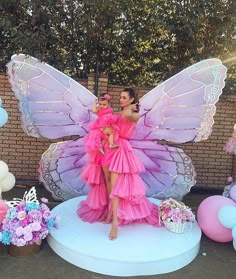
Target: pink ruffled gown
129 187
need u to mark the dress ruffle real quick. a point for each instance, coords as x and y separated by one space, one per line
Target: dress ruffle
94 208
133 205
123 159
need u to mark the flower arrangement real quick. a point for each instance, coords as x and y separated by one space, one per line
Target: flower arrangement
175 211
27 221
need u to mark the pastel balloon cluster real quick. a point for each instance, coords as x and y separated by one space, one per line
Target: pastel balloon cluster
216 216
3 115
7 179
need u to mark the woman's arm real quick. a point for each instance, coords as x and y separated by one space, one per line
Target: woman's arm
131 113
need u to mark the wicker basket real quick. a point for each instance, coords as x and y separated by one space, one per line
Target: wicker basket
175 227
23 251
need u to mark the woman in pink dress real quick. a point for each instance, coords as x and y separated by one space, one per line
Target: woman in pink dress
124 202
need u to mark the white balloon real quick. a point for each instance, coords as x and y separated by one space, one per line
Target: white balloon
3 169
234 244
8 182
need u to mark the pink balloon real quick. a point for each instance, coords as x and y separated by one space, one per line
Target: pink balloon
207 216
3 210
232 193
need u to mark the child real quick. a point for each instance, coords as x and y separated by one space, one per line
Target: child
96 137
230 145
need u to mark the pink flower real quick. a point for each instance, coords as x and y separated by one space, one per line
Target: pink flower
21 215
19 231
27 229
20 242
28 236
35 227
47 214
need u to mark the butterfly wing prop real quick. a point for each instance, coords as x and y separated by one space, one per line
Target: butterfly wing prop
60 169
52 104
181 109
169 171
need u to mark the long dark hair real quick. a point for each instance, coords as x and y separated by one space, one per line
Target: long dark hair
132 94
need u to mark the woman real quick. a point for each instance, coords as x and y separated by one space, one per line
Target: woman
121 168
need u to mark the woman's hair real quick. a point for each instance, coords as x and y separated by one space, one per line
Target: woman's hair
131 94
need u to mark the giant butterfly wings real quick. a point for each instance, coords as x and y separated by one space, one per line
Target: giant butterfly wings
179 110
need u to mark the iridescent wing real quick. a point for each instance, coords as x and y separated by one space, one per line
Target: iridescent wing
52 104
60 168
169 171
181 109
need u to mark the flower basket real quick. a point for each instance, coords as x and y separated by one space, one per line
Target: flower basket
175 227
175 215
26 223
24 251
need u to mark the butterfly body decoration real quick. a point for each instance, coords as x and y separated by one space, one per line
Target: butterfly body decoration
179 110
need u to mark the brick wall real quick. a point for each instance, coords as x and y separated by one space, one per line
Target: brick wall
212 164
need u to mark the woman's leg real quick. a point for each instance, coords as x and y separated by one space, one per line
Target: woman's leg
107 175
115 203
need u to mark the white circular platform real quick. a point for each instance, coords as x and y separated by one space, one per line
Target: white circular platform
140 249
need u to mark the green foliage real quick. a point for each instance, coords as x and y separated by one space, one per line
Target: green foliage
133 42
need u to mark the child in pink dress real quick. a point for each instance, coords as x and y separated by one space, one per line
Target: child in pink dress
96 137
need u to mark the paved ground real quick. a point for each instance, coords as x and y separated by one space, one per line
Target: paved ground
215 260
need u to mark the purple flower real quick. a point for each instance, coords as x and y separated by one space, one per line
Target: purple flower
35 226
56 222
44 200
35 215
44 207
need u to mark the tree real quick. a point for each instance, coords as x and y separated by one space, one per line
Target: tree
133 42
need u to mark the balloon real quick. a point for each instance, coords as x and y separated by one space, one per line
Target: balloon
227 216
3 170
207 216
8 182
3 210
3 117
234 244
234 232
232 193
